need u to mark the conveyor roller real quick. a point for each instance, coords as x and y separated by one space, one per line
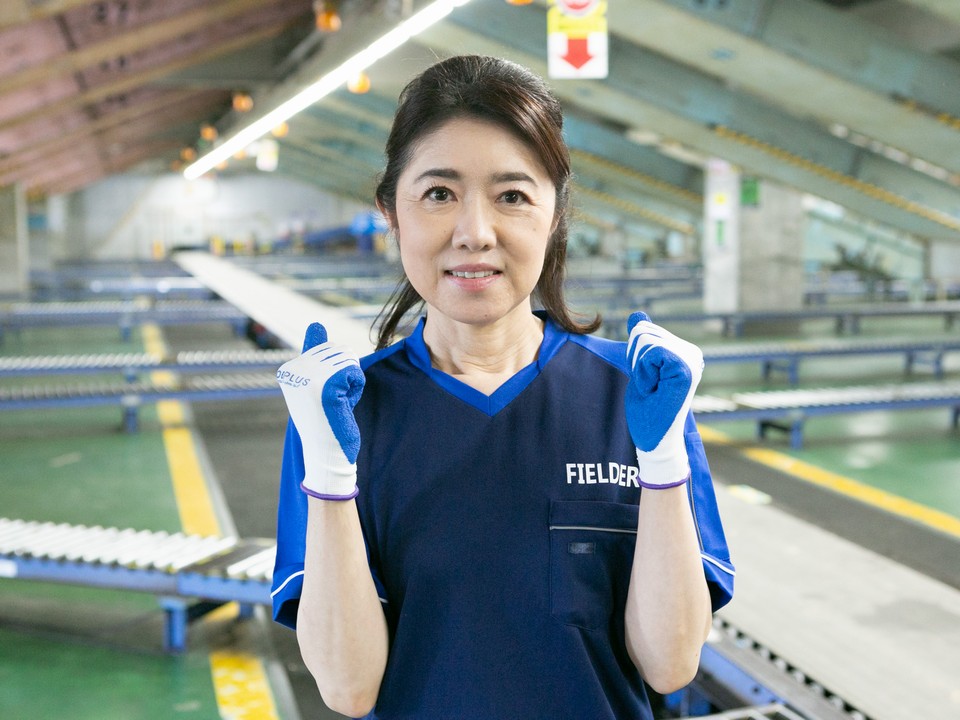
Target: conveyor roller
186 361
177 567
788 409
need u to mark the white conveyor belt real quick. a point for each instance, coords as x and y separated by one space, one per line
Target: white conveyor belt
284 312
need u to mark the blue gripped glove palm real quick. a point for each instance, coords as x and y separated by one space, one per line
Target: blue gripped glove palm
321 387
664 373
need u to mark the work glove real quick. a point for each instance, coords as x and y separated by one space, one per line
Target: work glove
664 373
321 387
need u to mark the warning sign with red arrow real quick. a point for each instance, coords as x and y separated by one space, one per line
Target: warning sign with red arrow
577 39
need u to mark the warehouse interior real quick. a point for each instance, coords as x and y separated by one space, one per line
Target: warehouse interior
775 180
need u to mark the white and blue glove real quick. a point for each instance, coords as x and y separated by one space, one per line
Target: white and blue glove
664 373
321 387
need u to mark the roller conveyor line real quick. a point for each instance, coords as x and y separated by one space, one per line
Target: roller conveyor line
131 395
123 313
786 356
181 569
121 286
788 409
846 317
103 393
187 361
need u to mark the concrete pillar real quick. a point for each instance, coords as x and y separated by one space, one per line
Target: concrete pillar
752 243
943 268
57 224
14 246
721 238
772 231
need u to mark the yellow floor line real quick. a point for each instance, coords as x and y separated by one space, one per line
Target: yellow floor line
239 679
843 485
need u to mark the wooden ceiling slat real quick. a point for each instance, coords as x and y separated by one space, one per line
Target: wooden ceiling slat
64 165
130 42
160 108
18 12
145 77
116 164
157 103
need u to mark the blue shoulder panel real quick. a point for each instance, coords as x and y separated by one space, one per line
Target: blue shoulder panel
612 351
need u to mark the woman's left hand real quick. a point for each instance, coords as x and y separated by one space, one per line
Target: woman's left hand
664 373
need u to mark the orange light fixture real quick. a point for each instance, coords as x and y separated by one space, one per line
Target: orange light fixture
359 83
281 130
208 132
188 154
328 18
242 102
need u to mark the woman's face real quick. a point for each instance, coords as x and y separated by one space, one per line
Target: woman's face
474 214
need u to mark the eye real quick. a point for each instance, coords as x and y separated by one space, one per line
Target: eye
514 197
437 194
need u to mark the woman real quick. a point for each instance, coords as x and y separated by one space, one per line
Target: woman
499 516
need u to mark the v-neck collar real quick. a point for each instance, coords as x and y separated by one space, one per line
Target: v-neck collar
553 338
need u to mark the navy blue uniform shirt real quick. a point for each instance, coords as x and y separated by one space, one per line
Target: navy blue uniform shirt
500 532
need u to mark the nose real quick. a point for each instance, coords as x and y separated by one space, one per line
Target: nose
476 228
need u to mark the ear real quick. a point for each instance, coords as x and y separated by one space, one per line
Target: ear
390 217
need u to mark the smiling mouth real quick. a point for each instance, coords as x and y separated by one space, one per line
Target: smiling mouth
472 275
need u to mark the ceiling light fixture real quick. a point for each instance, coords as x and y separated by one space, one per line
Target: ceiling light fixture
411 27
242 102
327 15
359 84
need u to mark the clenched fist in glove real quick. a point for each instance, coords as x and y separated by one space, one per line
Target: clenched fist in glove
664 373
321 387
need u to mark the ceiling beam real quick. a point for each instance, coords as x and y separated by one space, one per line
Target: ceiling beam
947 9
18 12
642 166
130 42
319 122
66 173
160 109
338 157
648 91
814 61
141 77
303 164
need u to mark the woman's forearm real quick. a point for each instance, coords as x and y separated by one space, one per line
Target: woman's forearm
341 626
668 609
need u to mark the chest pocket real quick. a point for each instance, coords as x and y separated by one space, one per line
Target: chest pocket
591 555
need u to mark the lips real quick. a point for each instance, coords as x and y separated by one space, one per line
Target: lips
473 277
471 274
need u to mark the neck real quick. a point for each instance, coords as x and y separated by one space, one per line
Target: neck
484 356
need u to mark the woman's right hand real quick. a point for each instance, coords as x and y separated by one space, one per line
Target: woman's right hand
321 387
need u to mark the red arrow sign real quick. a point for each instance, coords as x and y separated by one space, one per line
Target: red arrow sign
577 53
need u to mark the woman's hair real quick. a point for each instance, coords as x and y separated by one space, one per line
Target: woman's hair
509 95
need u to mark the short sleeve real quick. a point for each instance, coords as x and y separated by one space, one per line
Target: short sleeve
291 533
715 554
287 583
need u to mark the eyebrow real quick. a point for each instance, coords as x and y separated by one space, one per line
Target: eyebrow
451 174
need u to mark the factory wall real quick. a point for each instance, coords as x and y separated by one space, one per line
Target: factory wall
138 217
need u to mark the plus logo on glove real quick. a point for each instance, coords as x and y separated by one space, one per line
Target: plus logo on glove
321 387
664 373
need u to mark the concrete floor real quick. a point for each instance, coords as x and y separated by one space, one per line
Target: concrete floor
86 653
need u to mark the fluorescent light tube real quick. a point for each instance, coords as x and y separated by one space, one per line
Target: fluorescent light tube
412 26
